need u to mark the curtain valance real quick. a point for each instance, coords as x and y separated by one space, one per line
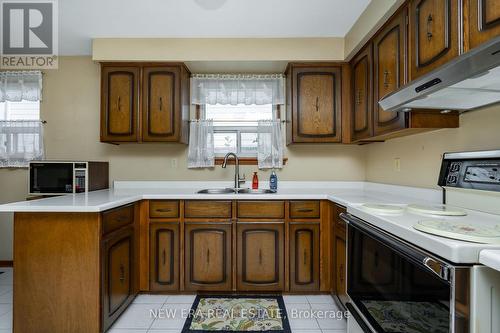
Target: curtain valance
234 89
18 86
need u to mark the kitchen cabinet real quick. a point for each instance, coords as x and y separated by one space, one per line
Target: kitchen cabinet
208 256
304 256
144 102
483 21
362 95
117 274
314 103
260 260
434 34
340 255
120 103
164 256
389 54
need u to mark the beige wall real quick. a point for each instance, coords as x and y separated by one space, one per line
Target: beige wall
71 107
420 154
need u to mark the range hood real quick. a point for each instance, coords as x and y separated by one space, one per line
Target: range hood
468 82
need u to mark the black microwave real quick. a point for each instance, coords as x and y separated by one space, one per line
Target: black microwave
67 177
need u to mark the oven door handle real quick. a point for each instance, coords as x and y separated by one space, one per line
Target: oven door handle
410 252
358 318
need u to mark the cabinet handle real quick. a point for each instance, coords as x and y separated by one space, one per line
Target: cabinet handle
260 256
317 104
164 254
358 97
163 210
305 257
341 273
119 104
386 78
208 256
160 104
304 210
429 27
122 273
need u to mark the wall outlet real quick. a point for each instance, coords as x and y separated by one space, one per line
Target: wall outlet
397 164
173 163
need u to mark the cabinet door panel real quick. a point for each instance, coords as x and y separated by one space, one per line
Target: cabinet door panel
317 104
208 257
164 257
340 268
260 256
389 72
304 257
484 21
160 103
362 88
434 34
119 104
118 275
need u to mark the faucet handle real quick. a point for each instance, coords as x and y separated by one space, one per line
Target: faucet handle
241 180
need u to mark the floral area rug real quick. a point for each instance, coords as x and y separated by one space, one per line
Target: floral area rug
226 314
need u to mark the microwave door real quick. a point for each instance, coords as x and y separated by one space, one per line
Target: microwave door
51 178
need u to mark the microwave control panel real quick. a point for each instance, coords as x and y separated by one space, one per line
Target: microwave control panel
80 178
472 174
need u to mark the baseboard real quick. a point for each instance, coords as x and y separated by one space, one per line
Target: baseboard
6 263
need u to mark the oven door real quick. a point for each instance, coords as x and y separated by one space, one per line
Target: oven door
51 178
395 287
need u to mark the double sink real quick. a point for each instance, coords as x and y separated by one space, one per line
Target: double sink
235 191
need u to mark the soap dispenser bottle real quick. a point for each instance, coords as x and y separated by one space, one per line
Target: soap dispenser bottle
273 181
255 181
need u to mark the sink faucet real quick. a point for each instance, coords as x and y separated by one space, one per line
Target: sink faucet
237 180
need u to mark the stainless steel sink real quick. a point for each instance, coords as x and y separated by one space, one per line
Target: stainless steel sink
259 191
217 191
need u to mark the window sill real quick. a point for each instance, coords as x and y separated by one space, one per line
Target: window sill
243 161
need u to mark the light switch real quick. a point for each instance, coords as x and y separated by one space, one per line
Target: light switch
397 164
173 163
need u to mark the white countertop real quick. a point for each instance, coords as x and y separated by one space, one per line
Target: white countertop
343 193
490 258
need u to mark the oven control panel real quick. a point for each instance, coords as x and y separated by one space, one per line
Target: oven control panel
481 174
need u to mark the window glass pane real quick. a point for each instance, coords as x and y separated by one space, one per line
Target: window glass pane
24 110
225 142
238 115
249 143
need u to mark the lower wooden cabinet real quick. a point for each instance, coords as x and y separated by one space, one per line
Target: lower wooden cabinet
304 257
208 256
260 256
340 255
117 274
164 257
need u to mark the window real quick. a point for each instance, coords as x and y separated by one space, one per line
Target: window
24 110
235 126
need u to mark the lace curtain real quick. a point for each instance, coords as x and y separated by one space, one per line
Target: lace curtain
20 142
201 144
270 144
237 89
18 86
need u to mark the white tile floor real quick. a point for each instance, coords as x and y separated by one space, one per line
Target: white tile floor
138 319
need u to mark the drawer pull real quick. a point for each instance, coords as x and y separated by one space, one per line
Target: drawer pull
122 273
305 210
121 219
305 257
164 256
208 256
163 210
260 256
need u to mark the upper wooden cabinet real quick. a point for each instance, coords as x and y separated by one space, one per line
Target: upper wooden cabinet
314 103
434 34
120 104
389 47
362 95
144 102
483 21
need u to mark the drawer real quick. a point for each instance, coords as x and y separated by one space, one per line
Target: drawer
304 209
261 209
163 208
207 209
116 218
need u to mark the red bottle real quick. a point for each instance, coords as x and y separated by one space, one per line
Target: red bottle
255 181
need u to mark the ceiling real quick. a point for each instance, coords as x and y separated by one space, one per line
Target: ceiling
82 20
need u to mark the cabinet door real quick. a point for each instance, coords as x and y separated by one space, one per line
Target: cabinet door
208 256
260 256
317 104
118 275
484 21
389 72
433 34
161 103
304 257
362 89
119 104
164 257
340 268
